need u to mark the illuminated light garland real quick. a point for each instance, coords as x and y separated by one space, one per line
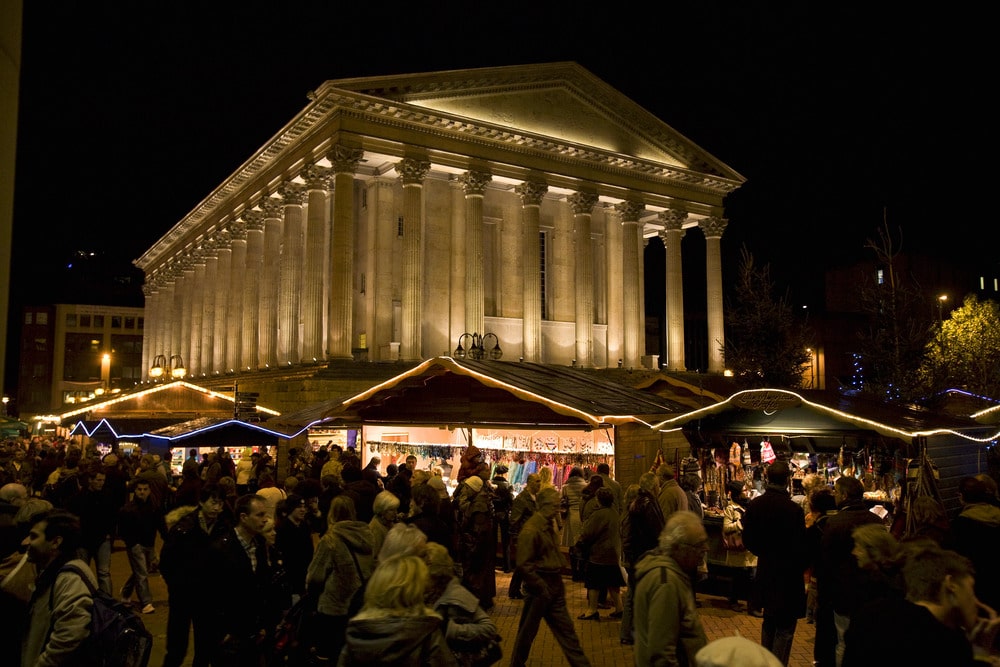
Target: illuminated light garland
153 390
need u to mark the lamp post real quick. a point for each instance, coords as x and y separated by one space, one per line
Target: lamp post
177 369
940 300
6 400
159 367
477 349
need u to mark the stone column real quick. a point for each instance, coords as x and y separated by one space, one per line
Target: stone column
412 173
187 299
234 317
340 328
177 328
474 186
219 335
713 229
250 344
671 235
317 220
582 203
211 251
290 275
633 326
151 297
268 306
165 326
198 286
531 194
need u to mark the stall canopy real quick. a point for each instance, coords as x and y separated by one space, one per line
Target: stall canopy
499 394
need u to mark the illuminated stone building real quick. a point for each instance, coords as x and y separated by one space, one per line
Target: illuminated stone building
395 214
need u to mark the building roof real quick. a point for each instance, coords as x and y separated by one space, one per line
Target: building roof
446 390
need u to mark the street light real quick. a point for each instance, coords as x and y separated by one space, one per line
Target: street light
159 366
477 350
177 369
941 299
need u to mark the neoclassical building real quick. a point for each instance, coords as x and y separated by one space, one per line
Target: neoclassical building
394 214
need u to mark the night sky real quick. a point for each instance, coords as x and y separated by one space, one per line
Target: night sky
131 115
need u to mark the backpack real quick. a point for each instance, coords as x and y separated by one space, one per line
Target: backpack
118 637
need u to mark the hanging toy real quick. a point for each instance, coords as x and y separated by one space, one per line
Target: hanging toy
746 453
766 452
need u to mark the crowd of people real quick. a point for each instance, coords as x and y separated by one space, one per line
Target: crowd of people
391 567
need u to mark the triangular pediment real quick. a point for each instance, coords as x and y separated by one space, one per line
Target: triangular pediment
562 101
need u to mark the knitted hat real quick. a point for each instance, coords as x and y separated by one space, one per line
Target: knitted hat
736 650
475 483
501 470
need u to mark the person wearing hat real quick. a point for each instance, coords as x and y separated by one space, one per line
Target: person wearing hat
774 530
503 501
477 536
736 650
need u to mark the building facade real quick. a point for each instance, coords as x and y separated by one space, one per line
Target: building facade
396 214
74 353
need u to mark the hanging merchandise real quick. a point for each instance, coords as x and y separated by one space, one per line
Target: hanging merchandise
746 453
734 453
766 451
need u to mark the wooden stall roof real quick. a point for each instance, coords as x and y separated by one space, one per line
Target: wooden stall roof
216 432
445 390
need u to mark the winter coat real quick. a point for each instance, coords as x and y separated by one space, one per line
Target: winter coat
774 529
572 492
139 522
837 572
465 623
184 552
641 527
672 498
401 641
243 609
975 533
667 628
69 616
332 572
601 537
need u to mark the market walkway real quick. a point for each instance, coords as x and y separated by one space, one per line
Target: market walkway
600 640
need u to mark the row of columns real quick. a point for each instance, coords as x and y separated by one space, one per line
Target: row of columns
237 302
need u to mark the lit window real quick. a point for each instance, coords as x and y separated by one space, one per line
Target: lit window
71 319
41 318
27 317
879 277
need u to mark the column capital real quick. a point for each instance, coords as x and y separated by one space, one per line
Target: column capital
713 227
271 206
345 159
531 192
292 193
474 182
411 171
672 219
316 177
254 220
582 203
629 211
237 230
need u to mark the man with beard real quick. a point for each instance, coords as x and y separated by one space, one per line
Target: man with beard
59 616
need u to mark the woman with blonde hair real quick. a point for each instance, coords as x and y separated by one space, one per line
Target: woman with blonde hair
395 626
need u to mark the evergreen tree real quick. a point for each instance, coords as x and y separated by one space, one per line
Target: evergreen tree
965 350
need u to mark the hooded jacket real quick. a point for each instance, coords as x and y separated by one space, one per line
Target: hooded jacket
466 624
62 601
332 571
975 533
667 628
401 641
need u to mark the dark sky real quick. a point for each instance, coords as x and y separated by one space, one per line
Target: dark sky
131 115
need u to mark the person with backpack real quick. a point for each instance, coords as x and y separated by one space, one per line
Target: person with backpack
60 607
337 575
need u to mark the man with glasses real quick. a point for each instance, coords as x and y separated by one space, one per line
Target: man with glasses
774 530
667 629
192 532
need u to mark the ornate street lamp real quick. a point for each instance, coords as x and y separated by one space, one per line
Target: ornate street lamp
477 350
159 367
177 369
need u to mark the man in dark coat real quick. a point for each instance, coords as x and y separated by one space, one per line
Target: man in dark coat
774 529
975 533
837 572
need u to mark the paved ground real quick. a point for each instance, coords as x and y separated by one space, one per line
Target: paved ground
600 639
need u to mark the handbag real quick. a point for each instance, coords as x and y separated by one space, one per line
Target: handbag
482 655
295 636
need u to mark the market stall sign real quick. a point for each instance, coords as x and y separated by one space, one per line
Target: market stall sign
768 401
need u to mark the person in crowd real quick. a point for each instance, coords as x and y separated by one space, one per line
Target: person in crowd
837 574
741 562
64 483
191 463
191 533
604 472
933 624
12 496
293 540
242 612
159 488
268 489
691 484
343 561
139 521
879 557
432 515
774 530
189 489
365 490
477 536
244 469
572 502
386 509
395 626
663 582
522 508
589 497
975 533
503 503
117 479
734 650
924 517
59 613
540 562
467 627
97 512
822 504
641 527
671 497
601 540
402 488
403 540
20 469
